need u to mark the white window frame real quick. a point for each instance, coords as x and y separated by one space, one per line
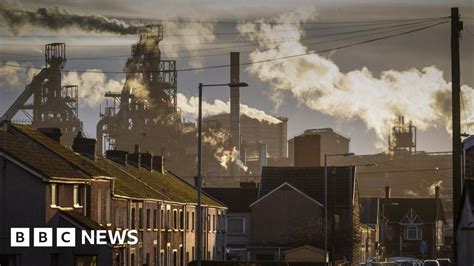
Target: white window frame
54 195
244 230
418 232
76 196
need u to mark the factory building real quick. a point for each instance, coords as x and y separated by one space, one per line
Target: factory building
308 149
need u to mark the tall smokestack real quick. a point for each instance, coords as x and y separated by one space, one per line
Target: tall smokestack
235 107
262 156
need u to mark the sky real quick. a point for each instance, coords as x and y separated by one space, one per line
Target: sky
430 47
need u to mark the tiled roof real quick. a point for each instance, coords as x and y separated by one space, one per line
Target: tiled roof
236 199
54 160
369 208
141 183
84 164
35 156
395 209
310 180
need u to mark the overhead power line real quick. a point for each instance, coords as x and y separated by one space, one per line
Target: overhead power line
177 55
260 61
249 43
173 54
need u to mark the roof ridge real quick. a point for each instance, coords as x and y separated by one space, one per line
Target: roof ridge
79 167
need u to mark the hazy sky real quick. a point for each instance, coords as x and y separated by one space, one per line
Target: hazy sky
416 50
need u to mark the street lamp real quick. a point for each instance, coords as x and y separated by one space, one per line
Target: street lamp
326 199
199 230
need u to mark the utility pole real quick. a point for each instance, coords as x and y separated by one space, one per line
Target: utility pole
456 27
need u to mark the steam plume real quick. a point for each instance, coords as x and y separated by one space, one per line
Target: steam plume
217 140
59 18
318 83
189 36
92 86
189 107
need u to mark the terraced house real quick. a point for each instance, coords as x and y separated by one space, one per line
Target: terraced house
43 184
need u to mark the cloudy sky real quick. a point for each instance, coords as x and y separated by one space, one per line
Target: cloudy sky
269 91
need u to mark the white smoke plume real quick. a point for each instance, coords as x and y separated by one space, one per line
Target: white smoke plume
432 187
410 193
187 36
189 107
225 157
136 87
317 82
91 85
15 75
217 140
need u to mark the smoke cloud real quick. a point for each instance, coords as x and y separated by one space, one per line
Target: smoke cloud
15 78
317 82
217 140
188 36
92 85
189 107
58 18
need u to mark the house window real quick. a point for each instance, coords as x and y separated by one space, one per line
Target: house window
168 219
192 224
140 218
413 232
187 220
147 218
155 218
54 195
77 196
162 218
236 225
175 219
133 218
181 220
213 222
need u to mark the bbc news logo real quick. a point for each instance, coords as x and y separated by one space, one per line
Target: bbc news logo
66 237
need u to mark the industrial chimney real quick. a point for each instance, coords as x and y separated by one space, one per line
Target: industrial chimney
262 156
235 107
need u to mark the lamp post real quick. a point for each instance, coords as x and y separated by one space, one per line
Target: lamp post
326 200
199 230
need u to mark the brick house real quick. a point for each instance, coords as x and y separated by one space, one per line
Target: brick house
47 185
412 226
291 200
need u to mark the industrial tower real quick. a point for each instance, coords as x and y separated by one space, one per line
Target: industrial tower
52 105
145 111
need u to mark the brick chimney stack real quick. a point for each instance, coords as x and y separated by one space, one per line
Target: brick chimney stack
53 133
84 146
